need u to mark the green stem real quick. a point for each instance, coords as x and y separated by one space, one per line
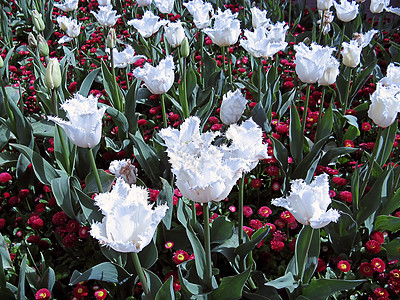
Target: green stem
183 97
322 27
290 12
194 216
373 21
321 106
307 238
64 149
54 100
118 103
163 111
128 85
229 66
371 161
303 124
260 69
341 40
202 58
207 245
95 171
346 99
140 273
240 209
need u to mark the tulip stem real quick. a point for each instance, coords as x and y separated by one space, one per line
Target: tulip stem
341 40
54 101
308 234
290 12
183 97
371 161
223 59
260 68
321 106
95 171
164 113
140 273
240 208
207 245
229 66
303 124
194 212
64 149
202 58
117 104
346 99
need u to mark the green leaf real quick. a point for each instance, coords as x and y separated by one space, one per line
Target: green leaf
91 212
231 287
153 282
244 249
110 85
324 127
355 187
105 271
221 230
392 249
8 159
389 223
63 159
313 254
361 79
43 128
43 170
119 118
296 137
286 281
88 81
61 189
149 255
106 180
5 255
391 205
130 106
166 197
334 153
21 279
303 243
198 250
166 292
323 288
386 144
48 279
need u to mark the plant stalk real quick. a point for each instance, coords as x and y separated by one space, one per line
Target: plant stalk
240 209
142 277
95 170
303 123
164 112
64 149
207 245
346 99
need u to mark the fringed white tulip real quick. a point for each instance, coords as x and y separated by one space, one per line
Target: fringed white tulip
148 24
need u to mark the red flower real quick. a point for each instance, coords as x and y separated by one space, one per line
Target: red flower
248 230
287 217
5 177
381 293
255 224
2 223
59 218
339 181
180 256
72 226
80 291
373 246
344 266
70 240
264 211
100 294
346 196
349 143
321 266
247 211
366 126
256 183
35 222
277 245
366 269
272 170
378 265
43 294
378 236
169 245
23 193
83 232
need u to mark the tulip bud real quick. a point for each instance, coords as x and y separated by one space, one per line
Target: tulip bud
32 42
232 107
185 49
43 46
174 33
53 74
351 54
1 62
111 38
38 21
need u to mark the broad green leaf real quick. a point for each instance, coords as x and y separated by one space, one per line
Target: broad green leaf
153 282
62 143
392 249
386 144
43 170
8 159
286 281
61 189
313 254
303 243
334 153
119 119
166 197
389 223
105 271
149 255
323 288
324 127
296 137
91 212
166 292
391 205
43 128
198 250
48 279
106 180
88 81
21 279
231 287
221 230
110 85
244 249
5 255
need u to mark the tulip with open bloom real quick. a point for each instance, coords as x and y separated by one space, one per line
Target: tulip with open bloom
129 221
106 16
157 79
259 17
232 107
164 6
85 120
126 57
71 27
226 28
200 11
205 172
308 203
346 11
68 5
174 33
148 24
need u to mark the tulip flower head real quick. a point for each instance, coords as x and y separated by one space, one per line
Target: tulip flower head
377 6
174 33
259 17
85 120
200 12
311 62
106 16
324 4
129 221
164 6
126 57
143 3
124 169
71 27
308 203
232 107
364 39
226 28
331 72
157 79
52 79
346 11
148 25
68 5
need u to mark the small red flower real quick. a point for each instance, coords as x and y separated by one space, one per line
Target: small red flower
321 266
339 181
180 256
378 265
247 211
83 232
80 291
378 236
255 224
100 294
248 230
2 223
43 294
277 245
264 211
256 183
169 245
344 266
366 126
373 246
287 217
346 196
349 143
366 269
5 177
59 218
381 293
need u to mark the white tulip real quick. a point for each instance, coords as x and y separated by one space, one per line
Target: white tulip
148 25
377 6
142 3
53 77
331 72
232 107
124 169
385 104
174 33
164 6
310 63
126 57
85 120
351 54
157 79
71 27
200 12
364 39
259 17
104 2
392 76
346 11
107 17
324 4
309 202
226 28
68 5
129 221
